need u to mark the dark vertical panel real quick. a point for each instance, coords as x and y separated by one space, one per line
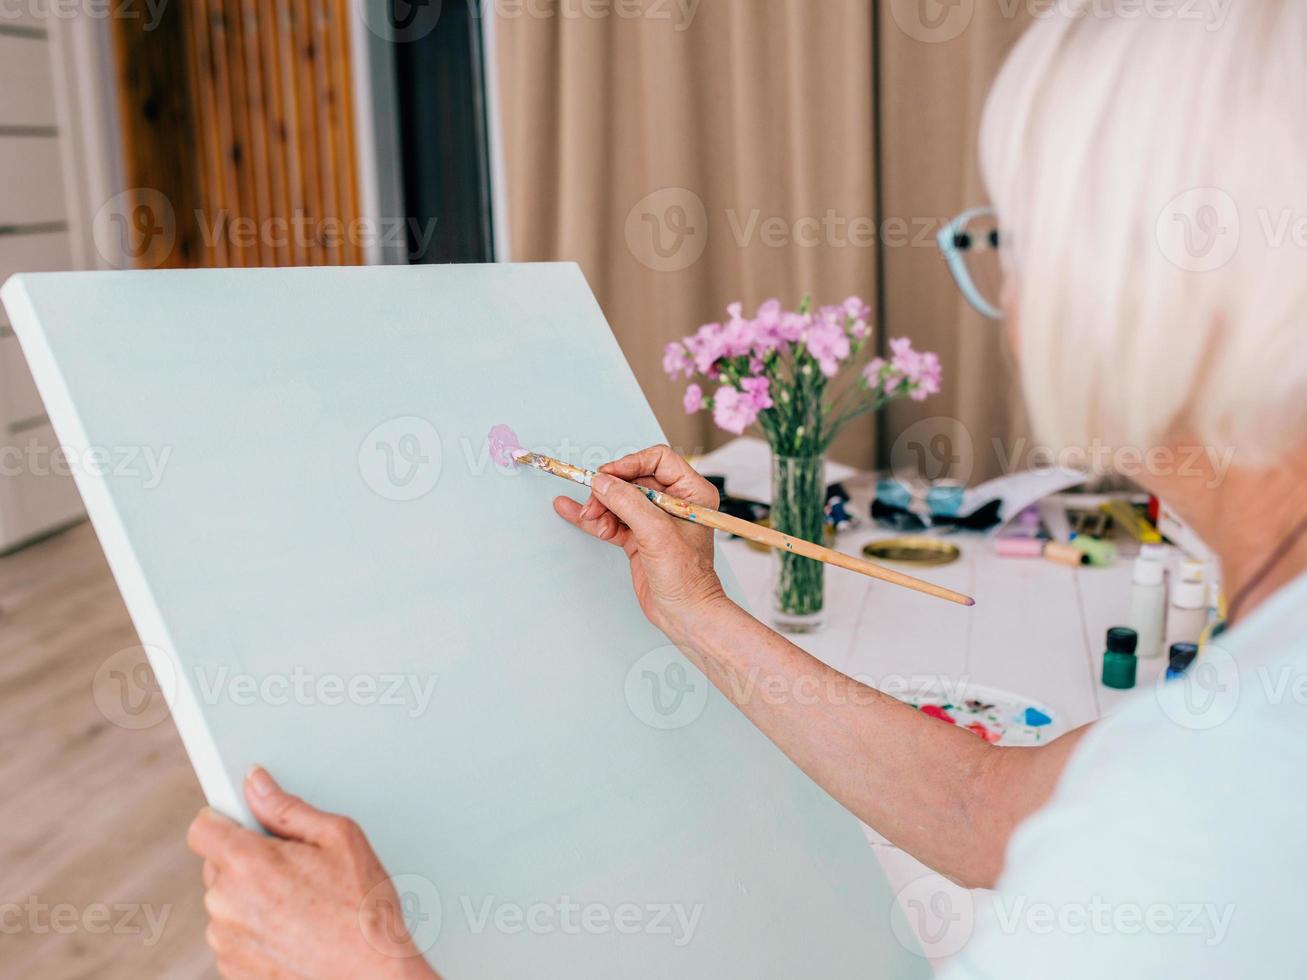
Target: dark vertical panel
159 148
443 140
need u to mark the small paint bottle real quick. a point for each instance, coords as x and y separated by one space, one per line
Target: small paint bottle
1119 661
1181 656
1187 616
1148 601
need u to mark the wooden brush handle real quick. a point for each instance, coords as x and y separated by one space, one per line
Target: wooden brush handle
708 517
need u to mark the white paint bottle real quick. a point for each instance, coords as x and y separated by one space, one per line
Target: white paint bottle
1187 616
1148 601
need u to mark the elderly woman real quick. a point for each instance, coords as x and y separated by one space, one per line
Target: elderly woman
1145 173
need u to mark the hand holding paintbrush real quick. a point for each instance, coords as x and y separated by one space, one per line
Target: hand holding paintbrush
696 513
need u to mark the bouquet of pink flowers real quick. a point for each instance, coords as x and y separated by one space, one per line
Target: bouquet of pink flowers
779 370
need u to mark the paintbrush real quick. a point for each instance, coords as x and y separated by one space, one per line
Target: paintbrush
697 514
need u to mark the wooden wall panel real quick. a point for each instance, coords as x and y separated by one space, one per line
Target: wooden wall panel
257 156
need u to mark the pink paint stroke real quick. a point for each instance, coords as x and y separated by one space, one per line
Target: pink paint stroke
503 446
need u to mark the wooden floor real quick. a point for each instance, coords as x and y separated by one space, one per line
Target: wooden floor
95 790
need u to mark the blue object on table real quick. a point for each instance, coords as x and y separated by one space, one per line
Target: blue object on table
892 493
944 499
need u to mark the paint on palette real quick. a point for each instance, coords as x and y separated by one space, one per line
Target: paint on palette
999 717
503 444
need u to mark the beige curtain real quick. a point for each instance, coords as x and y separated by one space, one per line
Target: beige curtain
699 154
934 76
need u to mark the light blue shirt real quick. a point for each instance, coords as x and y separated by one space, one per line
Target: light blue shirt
1175 843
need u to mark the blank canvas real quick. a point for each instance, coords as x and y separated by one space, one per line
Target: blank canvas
328 511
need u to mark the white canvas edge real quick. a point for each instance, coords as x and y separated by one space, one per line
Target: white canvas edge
201 747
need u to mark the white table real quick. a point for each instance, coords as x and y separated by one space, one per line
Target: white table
1037 629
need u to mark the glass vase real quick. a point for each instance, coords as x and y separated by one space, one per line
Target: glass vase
798 508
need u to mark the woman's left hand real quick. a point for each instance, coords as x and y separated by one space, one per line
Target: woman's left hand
313 901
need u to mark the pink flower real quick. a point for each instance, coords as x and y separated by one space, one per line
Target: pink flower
693 400
859 317
930 378
738 337
791 327
734 410
706 346
873 371
917 374
676 360
829 344
759 389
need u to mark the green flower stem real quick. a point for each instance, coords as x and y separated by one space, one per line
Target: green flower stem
798 509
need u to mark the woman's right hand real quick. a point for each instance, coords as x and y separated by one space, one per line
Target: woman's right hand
671 560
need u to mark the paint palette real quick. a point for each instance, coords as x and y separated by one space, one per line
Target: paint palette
999 717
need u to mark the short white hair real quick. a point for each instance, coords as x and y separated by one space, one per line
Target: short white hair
1149 170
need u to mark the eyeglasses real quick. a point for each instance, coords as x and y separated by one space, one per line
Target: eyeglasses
970 246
